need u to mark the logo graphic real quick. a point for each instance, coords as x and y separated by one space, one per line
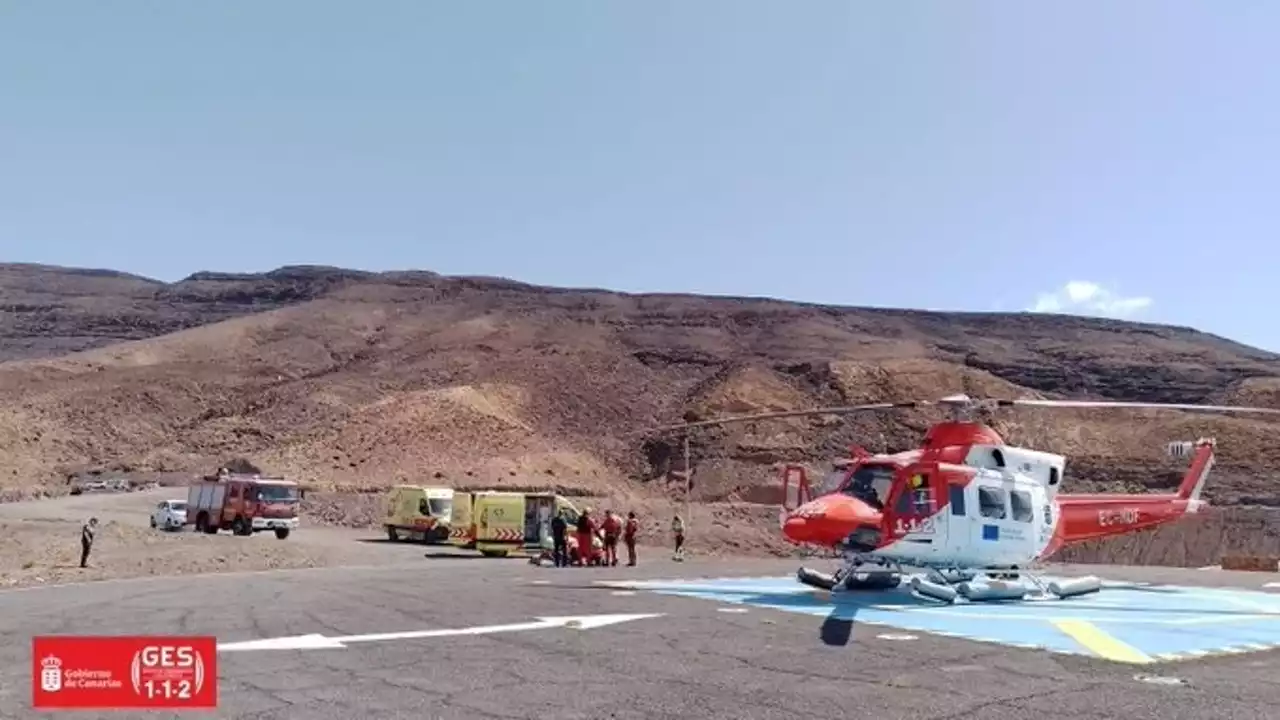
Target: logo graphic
109 672
167 670
51 674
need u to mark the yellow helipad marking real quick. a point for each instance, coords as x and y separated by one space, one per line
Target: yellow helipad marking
1100 643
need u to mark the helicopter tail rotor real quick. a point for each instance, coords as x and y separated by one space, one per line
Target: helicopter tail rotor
1202 458
1186 448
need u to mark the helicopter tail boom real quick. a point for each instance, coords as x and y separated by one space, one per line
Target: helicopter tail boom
1094 516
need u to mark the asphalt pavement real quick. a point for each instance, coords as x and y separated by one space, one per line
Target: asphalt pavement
655 655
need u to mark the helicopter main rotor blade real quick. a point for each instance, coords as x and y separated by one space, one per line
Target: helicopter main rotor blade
839 410
965 402
1102 404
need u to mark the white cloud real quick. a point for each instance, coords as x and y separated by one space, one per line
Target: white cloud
1080 297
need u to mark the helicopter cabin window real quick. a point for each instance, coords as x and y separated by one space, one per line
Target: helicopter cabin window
871 484
991 503
957 500
1020 503
998 456
1053 476
916 497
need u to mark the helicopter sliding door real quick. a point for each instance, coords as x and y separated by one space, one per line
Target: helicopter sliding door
1005 528
959 525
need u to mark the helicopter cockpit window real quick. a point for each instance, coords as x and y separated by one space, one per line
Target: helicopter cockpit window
871 484
831 482
991 503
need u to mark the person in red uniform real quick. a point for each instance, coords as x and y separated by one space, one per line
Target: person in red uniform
629 533
612 527
586 531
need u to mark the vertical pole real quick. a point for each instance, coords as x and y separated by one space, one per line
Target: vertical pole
688 487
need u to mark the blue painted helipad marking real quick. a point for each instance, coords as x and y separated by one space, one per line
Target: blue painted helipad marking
1126 621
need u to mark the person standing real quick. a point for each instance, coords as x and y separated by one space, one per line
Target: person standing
87 533
629 533
586 536
677 530
612 527
559 540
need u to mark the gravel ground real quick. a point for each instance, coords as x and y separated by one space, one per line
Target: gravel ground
40 544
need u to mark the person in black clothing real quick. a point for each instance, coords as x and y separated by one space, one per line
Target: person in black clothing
559 537
86 540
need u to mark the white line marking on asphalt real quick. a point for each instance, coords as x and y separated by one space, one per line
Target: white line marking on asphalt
320 642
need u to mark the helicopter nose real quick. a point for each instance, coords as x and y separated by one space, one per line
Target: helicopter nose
829 520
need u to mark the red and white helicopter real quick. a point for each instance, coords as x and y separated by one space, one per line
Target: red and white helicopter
971 511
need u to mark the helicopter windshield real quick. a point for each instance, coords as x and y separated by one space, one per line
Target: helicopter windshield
832 481
871 484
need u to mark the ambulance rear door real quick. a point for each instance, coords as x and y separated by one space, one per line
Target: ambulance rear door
460 519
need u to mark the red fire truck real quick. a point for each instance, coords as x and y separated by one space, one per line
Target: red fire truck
243 504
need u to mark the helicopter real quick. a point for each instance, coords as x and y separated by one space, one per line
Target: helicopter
971 511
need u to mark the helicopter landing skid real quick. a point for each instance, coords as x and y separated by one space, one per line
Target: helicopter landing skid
854 574
946 585
998 585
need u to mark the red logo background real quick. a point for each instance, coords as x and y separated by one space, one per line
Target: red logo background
108 672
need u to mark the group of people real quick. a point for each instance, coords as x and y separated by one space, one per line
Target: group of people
590 543
596 543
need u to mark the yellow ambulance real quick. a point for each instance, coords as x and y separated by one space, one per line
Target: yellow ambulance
415 512
515 523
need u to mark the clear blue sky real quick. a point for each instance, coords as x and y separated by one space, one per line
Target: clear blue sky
949 155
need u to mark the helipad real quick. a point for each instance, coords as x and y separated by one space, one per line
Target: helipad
1135 623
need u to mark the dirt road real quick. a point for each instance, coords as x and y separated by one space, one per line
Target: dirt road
39 543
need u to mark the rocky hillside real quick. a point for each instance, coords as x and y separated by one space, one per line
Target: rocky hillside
50 311
353 379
